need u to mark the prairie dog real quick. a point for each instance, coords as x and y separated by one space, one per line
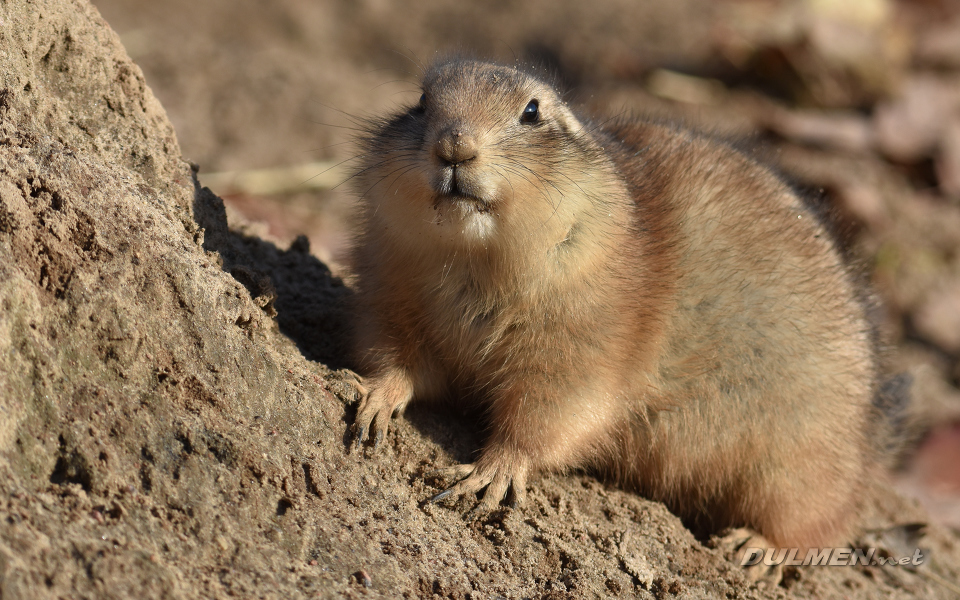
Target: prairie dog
621 295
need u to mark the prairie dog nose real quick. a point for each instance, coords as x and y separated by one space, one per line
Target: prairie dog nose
456 146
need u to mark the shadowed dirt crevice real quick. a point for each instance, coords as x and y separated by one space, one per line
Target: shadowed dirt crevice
309 303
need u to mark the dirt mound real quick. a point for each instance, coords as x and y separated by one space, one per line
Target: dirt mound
165 431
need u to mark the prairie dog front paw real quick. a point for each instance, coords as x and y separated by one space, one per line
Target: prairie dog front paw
381 398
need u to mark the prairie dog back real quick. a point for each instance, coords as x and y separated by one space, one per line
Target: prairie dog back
621 295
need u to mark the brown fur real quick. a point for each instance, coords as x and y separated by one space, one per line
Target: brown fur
626 296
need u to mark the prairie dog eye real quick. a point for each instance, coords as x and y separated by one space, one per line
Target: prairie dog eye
422 104
531 114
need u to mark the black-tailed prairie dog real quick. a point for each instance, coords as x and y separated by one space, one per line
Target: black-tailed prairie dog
616 294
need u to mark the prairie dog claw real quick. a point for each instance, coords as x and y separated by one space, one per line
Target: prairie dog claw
471 478
379 402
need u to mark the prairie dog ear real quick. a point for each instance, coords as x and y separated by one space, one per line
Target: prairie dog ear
566 119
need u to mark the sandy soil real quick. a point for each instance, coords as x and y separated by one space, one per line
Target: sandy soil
173 404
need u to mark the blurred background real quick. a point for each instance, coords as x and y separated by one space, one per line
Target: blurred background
856 101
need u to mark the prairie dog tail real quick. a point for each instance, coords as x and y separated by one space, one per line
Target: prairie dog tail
897 432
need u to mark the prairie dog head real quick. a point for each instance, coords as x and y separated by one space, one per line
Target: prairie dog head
488 156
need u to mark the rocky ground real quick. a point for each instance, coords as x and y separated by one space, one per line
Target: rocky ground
173 403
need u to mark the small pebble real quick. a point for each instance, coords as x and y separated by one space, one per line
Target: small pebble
364 578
